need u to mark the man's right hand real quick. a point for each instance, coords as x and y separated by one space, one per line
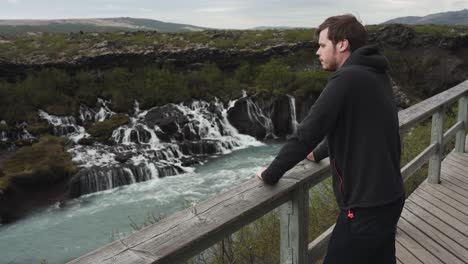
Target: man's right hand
311 156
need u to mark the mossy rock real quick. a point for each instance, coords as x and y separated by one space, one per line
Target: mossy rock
102 131
37 129
45 162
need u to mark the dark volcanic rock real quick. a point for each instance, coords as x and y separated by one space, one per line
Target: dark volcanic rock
248 118
86 141
168 117
281 118
396 35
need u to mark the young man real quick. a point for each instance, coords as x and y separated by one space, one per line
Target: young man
357 116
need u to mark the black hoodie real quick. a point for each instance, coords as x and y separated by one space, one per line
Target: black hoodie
357 115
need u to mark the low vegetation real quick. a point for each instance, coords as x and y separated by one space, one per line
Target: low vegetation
61 93
102 131
43 163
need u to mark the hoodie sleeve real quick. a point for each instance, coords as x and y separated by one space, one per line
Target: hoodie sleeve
321 151
321 119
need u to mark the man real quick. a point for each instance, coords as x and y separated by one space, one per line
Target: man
357 115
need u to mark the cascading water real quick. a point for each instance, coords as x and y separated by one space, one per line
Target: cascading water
161 141
157 142
292 107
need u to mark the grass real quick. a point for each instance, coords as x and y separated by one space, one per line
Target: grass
45 162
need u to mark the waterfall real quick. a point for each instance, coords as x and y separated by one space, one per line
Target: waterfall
64 126
292 108
158 142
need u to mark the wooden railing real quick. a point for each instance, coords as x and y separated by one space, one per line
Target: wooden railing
189 232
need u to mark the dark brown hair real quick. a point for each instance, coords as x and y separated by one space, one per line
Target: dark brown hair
345 27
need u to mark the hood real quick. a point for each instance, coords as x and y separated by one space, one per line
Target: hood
368 56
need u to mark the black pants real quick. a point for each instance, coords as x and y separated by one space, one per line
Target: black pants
368 237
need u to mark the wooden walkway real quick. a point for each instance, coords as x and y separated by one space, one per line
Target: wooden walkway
433 227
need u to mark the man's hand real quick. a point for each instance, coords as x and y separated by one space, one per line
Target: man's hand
311 156
259 174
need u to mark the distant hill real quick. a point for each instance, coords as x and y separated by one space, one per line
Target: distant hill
273 27
17 27
445 18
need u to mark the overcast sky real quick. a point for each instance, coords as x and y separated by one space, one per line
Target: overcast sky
239 14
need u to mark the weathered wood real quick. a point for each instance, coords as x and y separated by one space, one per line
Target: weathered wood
417 113
186 233
454 172
455 188
446 242
437 134
443 189
462 117
435 248
461 158
420 197
318 248
414 247
294 223
433 220
452 131
442 215
404 255
460 184
449 200
418 161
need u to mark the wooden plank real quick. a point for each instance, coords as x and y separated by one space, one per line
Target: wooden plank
440 225
457 182
443 189
442 215
405 256
414 114
452 131
460 158
294 223
318 248
185 234
431 245
434 234
418 161
462 117
415 247
437 135
460 168
420 197
455 188
449 200
453 173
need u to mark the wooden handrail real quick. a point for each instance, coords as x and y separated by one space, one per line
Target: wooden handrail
189 232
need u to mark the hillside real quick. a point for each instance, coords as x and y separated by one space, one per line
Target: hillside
444 18
19 27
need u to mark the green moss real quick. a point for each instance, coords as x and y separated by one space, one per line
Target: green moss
45 162
102 131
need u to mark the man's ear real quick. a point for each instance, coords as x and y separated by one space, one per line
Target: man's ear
343 45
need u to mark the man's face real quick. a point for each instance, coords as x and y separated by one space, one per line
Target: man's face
327 52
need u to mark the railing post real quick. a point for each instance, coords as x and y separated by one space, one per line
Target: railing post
294 224
437 136
462 116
